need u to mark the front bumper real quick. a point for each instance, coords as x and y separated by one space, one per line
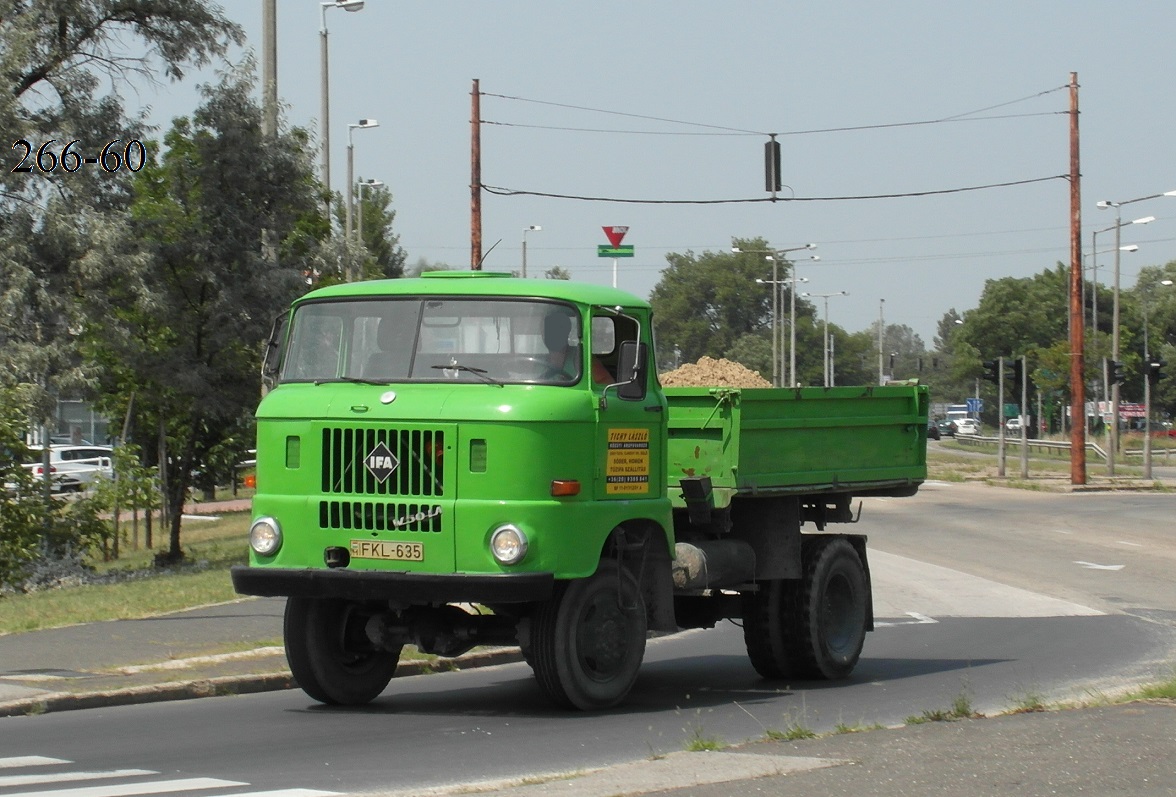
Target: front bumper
413 588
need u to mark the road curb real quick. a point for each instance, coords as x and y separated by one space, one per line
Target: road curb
228 685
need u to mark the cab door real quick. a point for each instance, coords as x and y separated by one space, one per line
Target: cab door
630 417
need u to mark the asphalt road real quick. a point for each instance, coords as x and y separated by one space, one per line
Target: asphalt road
992 596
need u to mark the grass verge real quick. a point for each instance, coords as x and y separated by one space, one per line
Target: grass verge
138 588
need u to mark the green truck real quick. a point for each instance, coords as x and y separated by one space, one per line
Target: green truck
469 458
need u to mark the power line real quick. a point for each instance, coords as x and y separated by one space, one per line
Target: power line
500 191
881 126
967 116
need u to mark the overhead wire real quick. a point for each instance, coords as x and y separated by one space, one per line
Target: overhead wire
714 129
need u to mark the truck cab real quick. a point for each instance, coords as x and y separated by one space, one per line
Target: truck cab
462 438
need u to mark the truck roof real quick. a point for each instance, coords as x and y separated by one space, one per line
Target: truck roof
481 283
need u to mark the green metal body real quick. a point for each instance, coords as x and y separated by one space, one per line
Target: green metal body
781 441
472 455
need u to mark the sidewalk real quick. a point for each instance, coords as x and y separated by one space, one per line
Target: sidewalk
228 648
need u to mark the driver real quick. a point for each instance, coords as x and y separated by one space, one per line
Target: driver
561 353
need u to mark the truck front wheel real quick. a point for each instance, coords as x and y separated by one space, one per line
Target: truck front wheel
815 627
588 640
330 654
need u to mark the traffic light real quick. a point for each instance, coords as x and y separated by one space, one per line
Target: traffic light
1018 375
1115 372
992 371
1155 370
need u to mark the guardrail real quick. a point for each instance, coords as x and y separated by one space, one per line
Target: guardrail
1034 445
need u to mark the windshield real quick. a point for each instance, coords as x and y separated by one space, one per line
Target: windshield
434 340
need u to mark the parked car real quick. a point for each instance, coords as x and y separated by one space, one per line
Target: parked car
72 468
932 430
967 426
1013 425
947 427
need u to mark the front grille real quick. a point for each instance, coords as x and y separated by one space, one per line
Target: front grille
379 516
418 455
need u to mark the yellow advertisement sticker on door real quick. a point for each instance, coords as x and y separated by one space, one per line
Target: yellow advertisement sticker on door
626 467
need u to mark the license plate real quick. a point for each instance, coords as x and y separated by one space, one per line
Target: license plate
386 550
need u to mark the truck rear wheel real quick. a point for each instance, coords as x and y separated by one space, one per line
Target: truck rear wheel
815 627
330 654
588 640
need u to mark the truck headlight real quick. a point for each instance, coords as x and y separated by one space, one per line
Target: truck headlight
508 544
265 536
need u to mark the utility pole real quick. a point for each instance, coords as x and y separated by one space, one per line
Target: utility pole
881 326
1077 338
269 66
476 178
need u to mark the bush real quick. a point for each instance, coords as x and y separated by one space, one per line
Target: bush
35 531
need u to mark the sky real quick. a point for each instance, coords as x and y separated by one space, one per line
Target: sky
668 104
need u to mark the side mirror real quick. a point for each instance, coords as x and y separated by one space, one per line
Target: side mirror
634 369
273 348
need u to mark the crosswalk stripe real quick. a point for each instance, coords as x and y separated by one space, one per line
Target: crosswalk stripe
8 781
131 789
30 761
285 793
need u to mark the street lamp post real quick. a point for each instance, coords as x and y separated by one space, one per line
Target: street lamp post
362 124
826 297
1094 253
1147 449
359 222
1113 438
532 228
775 255
881 339
324 94
791 320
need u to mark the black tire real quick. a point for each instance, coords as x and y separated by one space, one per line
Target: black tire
813 628
330 655
587 641
769 628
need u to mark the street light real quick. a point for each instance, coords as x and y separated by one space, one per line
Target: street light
826 297
791 319
1113 438
532 228
364 184
325 108
775 256
362 124
1094 253
1147 449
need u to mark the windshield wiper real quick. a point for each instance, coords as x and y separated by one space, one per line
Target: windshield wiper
478 372
355 380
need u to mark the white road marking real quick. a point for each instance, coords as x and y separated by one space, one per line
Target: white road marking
1133 544
917 619
66 777
901 584
1093 566
285 793
123 789
129 789
30 761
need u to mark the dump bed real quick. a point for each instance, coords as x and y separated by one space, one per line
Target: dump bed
776 441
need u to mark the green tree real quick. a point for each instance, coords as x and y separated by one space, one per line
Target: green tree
705 303
61 67
382 256
189 291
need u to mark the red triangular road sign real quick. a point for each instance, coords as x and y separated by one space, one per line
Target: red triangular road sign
615 235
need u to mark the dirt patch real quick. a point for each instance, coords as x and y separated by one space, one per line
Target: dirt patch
709 372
